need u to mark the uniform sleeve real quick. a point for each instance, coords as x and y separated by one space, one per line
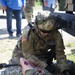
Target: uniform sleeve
60 55
27 50
17 52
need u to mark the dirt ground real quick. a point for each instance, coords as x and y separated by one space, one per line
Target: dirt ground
6 48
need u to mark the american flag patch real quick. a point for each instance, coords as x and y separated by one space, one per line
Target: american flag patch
24 39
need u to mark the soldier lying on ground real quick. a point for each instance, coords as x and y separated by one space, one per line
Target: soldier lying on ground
28 68
39 45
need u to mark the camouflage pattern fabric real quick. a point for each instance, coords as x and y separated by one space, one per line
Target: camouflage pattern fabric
29 9
37 71
46 22
11 71
18 71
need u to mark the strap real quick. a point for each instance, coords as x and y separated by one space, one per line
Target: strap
31 28
30 25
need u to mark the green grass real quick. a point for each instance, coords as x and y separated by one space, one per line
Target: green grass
71 57
69 45
38 3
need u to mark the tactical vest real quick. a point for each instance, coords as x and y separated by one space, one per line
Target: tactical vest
49 53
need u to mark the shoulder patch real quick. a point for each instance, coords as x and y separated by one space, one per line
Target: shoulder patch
24 39
26 30
25 33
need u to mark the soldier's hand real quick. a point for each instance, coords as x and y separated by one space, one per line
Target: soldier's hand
23 7
25 65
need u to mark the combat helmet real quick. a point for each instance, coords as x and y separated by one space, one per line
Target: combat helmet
45 22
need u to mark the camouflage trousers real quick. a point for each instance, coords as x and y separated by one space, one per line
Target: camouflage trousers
18 71
11 71
29 13
29 9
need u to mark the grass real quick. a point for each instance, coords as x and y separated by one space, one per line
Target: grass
71 57
69 45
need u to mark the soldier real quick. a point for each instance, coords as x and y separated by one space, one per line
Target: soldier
40 43
35 43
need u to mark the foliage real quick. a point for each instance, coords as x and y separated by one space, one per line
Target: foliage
38 3
71 57
69 45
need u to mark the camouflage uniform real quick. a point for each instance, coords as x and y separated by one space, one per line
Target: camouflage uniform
37 71
18 71
11 71
31 44
29 9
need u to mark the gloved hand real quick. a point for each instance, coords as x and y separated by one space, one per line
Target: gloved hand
67 72
25 65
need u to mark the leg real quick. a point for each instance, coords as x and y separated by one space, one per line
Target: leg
29 13
17 52
18 17
29 9
9 12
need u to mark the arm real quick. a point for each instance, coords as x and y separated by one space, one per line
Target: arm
23 4
54 3
60 55
3 3
45 3
27 50
25 65
27 69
